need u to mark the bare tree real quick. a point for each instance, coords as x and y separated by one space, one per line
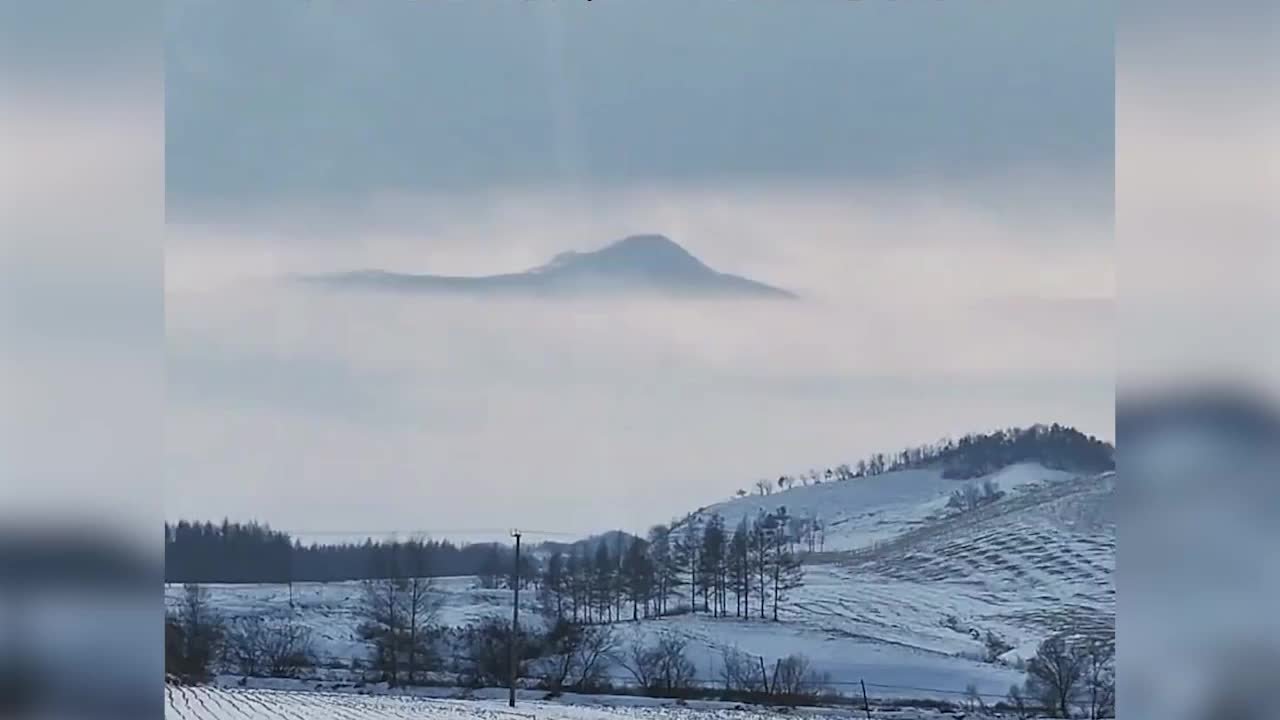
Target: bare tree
421 611
243 649
488 651
764 487
576 654
795 682
1098 698
1054 675
562 643
642 662
1017 701
287 648
740 672
383 623
973 698
200 632
661 669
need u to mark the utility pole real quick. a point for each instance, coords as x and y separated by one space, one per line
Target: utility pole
515 621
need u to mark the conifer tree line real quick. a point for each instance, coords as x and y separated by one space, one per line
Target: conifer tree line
974 455
697 565
254 553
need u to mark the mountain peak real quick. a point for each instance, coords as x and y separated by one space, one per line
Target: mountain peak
627 251
650 263
647 243
643 255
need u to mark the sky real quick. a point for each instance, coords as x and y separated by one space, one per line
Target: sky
934 179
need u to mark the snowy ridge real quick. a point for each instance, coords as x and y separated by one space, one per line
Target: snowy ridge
860 512
1037 562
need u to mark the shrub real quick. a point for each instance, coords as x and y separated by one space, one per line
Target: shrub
996 646
796 682
193 637
487 645
661 669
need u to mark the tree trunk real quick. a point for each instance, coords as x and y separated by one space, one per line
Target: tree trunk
775 595
413 632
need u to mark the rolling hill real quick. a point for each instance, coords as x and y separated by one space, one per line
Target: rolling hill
905 588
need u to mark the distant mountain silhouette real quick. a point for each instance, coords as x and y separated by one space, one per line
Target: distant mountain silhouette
614 539
652 264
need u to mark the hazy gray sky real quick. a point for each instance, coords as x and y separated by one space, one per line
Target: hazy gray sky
934 178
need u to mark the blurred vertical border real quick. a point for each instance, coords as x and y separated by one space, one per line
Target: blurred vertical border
81 363
1198 139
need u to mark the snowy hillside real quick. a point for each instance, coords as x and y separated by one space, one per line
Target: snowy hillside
1039 561
907 593
856 513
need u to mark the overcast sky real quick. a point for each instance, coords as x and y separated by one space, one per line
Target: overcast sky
935 180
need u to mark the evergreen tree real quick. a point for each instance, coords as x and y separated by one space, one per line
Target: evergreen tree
787 572
665 567
553 584
602 582
637 571
685 553
740 570
573 585
711 565
758 553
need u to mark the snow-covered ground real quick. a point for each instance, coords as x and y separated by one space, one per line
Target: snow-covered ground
857 513
902 598
330 610
234 703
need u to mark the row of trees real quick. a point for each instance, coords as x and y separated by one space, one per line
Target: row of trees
399 619
974 496
1055 446
1068 676
254 553
697 565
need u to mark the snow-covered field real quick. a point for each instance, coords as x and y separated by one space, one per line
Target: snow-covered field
858 513
208 703
902 598
223 703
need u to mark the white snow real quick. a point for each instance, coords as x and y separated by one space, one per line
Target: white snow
862 511
897 605
283 701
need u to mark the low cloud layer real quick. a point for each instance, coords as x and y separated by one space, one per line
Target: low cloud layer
933 180
920 317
